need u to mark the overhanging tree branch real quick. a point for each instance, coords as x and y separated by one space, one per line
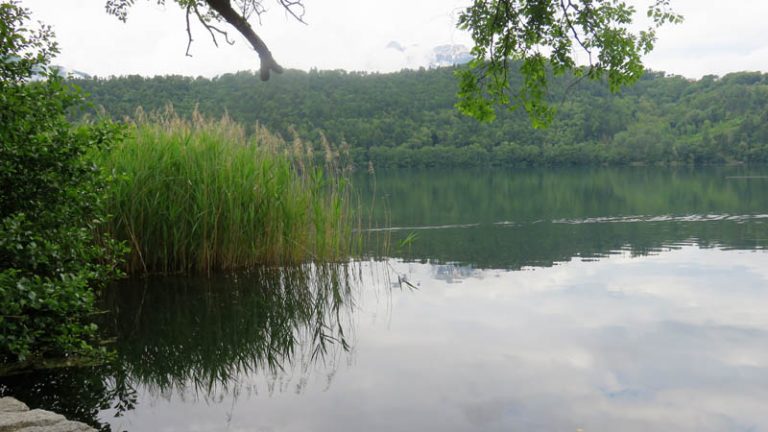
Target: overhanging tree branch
544 37
225 10
211 11
541 37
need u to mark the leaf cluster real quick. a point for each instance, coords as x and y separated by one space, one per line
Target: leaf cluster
545 38
51 202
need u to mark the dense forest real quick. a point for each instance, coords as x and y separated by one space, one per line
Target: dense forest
408 118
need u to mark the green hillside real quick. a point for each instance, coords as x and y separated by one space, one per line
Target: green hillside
408 118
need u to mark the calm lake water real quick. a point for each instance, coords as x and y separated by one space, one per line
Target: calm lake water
534 300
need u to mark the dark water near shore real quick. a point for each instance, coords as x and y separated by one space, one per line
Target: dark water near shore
534 300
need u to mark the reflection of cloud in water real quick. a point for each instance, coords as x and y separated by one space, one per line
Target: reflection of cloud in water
676 341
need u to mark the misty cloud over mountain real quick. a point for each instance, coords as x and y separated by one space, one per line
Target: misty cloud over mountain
415 56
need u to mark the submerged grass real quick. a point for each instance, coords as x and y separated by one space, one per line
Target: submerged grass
199 196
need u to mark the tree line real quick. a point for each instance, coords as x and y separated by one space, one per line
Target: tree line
409 118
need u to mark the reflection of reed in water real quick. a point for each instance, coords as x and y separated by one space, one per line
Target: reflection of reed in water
207 338
208 335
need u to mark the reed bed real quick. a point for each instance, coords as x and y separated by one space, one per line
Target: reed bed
200 196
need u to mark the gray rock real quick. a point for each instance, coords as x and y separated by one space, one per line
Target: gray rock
67 426
9 404
17 417
13 421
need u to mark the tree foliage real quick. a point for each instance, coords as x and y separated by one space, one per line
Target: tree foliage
540 37
50 201
544 38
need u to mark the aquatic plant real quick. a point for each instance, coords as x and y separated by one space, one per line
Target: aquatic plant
200 195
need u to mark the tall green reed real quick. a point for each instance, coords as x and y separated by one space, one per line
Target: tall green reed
199 195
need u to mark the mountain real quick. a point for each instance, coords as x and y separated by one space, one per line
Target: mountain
62 71
415 56
66 72
449 55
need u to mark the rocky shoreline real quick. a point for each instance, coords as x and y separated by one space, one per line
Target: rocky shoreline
15 416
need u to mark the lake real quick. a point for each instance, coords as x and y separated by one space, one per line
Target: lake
629 299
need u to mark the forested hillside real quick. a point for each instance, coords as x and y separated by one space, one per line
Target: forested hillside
408 118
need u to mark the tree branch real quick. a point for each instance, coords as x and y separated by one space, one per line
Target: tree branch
268 63
290 4
211 28
189 32
572 27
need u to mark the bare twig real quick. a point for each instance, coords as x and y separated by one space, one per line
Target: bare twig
189 32
223 9
290 4
211 28
572 27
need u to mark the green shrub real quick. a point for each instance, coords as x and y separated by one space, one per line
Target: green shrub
51 202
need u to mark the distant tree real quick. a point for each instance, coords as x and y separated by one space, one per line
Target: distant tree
695 121
539 36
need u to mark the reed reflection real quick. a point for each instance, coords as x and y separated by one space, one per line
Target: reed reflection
206 339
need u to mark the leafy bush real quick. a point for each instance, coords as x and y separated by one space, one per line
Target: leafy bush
51 202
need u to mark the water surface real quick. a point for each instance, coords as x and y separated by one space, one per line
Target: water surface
595 300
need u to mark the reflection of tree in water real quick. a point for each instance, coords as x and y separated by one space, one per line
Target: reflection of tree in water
201 338
77 393
512 219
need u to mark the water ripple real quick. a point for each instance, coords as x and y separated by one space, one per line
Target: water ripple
663 218
593 220
418 228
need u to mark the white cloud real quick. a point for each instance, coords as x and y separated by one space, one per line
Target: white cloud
559 348
717 37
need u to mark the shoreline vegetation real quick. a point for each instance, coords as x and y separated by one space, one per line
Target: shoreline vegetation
198 195
264 185
83 203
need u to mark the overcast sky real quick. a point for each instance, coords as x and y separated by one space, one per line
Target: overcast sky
717 37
